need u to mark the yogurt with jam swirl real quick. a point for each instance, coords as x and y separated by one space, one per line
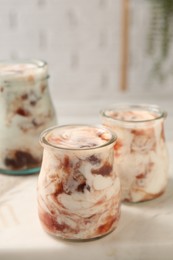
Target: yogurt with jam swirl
78 189
140 151
26 110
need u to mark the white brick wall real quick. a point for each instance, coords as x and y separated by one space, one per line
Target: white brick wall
80 40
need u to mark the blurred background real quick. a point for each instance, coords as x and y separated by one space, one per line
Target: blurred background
98 51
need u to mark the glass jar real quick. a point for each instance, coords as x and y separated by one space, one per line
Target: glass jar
25 111
78 189
140 151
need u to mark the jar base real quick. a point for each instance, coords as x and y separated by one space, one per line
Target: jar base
20 172
148 197
79 240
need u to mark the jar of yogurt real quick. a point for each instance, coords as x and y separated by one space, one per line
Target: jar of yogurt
78 188
140 151
26 110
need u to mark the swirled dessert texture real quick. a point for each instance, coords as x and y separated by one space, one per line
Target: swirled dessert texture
25 111
140 151
78 189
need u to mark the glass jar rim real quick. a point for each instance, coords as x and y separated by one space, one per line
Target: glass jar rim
45 143
14 70
143 107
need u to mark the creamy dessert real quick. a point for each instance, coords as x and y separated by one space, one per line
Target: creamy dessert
140 151
78 189
25 111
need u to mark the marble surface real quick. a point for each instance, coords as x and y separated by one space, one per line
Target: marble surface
145 230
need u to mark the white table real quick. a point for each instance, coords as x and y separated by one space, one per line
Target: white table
145 230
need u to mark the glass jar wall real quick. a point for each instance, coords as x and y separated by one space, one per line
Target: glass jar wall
78 188
140 151
26 110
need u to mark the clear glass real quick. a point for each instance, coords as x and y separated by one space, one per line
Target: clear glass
26 110
140 151
78 189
